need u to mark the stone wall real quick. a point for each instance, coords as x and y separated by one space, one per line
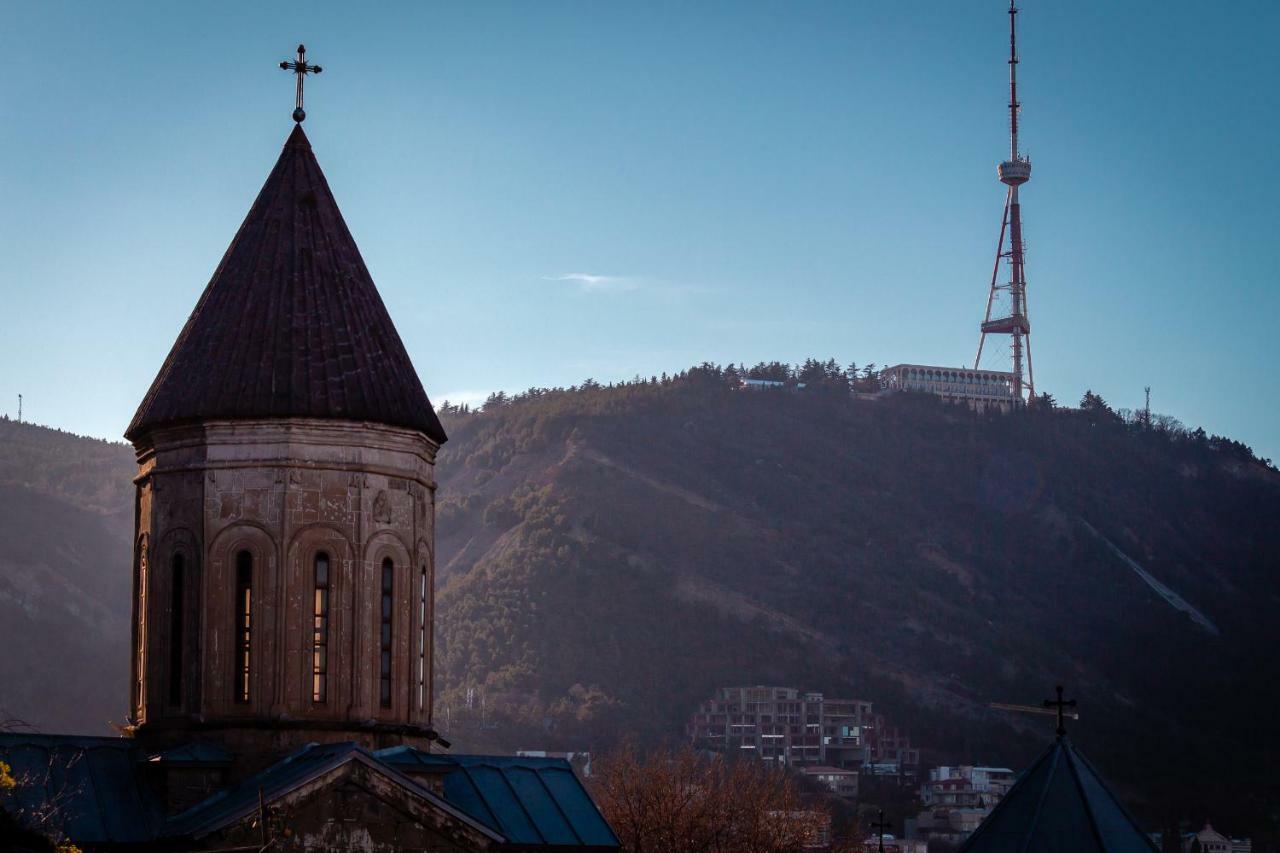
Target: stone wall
283 491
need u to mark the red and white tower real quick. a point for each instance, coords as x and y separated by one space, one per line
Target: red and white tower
1007 302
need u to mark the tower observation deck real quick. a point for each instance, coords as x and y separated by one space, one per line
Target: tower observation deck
1003 387
1007 301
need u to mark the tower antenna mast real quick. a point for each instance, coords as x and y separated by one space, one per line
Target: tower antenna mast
1013 173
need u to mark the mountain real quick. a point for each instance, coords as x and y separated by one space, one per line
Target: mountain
608 556
66 521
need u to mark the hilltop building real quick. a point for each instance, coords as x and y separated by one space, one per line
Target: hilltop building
978 389
804 730
284 574
1007 313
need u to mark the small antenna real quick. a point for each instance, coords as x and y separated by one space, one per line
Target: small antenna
19 408
1146 412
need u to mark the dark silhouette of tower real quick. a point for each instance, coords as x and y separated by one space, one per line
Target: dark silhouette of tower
1011 312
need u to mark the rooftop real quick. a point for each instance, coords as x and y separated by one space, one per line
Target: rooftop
291 324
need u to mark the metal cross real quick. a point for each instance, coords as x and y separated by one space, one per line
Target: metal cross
301 69
1061 705
880 826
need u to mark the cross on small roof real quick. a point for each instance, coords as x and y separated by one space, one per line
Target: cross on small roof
880 826
1061 705
300 68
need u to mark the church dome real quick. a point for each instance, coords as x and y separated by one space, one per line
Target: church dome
291 324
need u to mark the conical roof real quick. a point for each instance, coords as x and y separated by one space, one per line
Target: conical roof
1060 804
291 324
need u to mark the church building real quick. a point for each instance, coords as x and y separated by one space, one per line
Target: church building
284 572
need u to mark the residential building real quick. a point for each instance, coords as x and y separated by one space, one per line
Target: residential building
893 844
957 799
786 726
842 781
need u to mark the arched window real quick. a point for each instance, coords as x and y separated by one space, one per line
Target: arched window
139 686
177 606
320 631
422 638
244 624
384 639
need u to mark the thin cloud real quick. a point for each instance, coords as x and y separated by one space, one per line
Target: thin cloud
591 283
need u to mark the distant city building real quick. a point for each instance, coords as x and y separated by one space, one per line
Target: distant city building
893 844
761 384
785 726
766 384
979 389
579 761
840 780
1212 841
957 799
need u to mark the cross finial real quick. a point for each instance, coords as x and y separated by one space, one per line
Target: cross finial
880 826
300 68
1061 705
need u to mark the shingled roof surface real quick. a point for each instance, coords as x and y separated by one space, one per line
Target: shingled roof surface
291 324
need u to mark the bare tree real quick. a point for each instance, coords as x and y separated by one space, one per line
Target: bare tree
683 802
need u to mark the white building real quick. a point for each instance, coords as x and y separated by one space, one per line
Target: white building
1212 841
978 388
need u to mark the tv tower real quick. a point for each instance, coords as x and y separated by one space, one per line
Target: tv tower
1013 173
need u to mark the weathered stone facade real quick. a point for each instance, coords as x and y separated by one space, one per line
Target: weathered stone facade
284 576
283 491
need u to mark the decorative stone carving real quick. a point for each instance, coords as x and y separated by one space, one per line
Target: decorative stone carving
382 508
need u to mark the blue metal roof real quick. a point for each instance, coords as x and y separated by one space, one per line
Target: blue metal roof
297 769
531 801
98 785
92 782
1060 803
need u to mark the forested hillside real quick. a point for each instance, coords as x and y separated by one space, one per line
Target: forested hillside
609 555
66 521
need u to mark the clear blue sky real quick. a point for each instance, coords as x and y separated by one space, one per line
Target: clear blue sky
750 181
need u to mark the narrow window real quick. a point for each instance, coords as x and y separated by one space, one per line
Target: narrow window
422 638
244 623
384 681
141 663
177 601
320 631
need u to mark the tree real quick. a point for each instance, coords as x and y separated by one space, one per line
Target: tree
1097 409
683 802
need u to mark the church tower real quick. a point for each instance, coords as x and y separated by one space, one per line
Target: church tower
283 558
